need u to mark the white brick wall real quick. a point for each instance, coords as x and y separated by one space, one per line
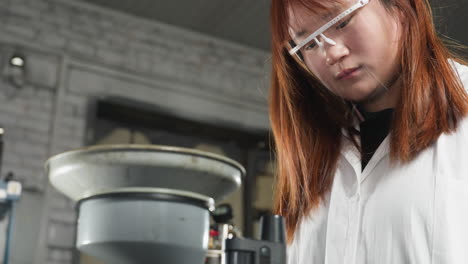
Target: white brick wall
26 119
63 38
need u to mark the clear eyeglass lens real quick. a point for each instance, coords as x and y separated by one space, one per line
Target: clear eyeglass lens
329 37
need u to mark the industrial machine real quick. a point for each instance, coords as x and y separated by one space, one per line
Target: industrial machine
152 204
10 192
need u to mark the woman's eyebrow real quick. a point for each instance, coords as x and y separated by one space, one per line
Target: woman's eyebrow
332 12
297 36
327 16
301 33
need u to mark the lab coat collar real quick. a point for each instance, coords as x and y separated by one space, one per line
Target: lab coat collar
353 156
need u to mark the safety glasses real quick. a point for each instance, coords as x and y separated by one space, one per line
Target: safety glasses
316 41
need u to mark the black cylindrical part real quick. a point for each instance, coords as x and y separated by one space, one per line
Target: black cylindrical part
272 229
240 257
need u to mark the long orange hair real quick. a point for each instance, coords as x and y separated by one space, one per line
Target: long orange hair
307 120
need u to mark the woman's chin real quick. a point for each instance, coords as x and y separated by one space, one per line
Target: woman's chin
357 92
358 96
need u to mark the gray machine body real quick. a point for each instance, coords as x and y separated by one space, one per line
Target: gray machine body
128 231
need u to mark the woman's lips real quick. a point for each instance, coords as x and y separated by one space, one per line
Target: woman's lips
347 73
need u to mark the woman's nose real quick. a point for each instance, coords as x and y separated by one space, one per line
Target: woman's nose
335 53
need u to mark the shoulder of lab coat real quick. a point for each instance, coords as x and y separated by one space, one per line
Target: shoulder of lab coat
462 71
453 147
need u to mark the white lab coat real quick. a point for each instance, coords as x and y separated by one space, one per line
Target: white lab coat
414 213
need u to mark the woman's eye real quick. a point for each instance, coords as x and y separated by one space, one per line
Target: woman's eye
310 46
344 23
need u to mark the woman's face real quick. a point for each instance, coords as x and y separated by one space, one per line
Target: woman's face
362 65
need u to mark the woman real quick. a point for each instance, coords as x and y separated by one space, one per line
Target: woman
368 113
